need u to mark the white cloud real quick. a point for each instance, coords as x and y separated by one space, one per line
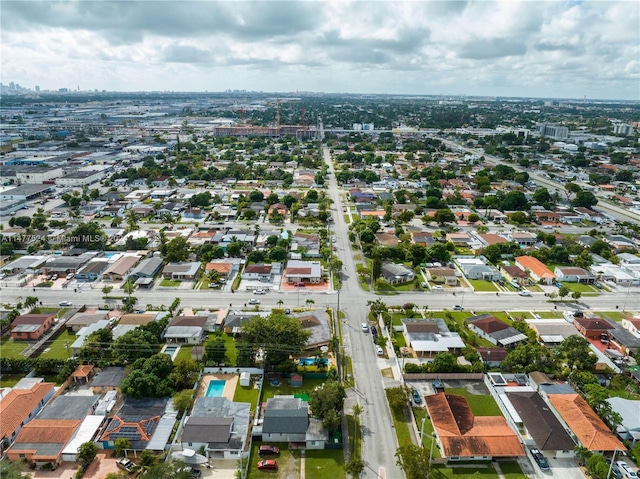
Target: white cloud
553 48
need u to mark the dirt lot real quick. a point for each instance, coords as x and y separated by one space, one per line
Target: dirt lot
472 387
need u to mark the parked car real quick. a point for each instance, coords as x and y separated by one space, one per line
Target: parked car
424 285
126 464
299 285
525 293
259 291
540 459
213 285
287 310
374 332
457 307
416 397
626 470
65 303
254 301
379 351
268 464
268 450
615 470
365 327
437 287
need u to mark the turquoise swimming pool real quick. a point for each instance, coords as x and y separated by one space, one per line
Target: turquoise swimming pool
216 386
312 362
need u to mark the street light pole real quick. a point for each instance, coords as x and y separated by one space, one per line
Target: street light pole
422 432
613 459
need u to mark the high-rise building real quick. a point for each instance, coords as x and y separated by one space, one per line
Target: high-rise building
553 131
622 129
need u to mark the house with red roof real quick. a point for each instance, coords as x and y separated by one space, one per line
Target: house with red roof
18 407
464 436
536 268
42 440
31 327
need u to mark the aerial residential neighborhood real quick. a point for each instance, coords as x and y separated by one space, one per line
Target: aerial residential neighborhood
221 300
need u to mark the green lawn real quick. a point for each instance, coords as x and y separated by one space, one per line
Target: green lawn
307 388
511 470
442 472
10 380
583 288
325 464
355 436
58 349
230 343
480 285
185 352
400 341
481 405
170 283
246 394
550 314
401 426
420 413
11 348
522 314
614 315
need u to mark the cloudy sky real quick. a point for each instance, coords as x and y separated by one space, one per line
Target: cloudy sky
541 48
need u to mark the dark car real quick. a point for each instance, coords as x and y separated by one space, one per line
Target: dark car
416 397
267 450
615 471
268 464
540 459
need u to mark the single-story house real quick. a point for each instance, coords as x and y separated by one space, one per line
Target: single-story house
584 424
84 319
492 357
539 423
298 271
536 268
592 328
442 275
186 329
147 268
92 270
182 271
478 268
119 269
632 325
513 273
109 379
629 410
286 419
572 274
42 441
318 324
18 407
261 272
31 327
428 337
495 331
394 273
464 436
219 426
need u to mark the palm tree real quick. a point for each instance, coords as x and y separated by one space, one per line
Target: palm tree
280 302
310 302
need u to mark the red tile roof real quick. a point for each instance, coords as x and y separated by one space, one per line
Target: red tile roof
585 423
17 404
462 434
44 431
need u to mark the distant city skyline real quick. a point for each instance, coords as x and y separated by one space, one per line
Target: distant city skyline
551 49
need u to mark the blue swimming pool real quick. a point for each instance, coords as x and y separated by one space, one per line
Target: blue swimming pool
312 361
171 351
216 386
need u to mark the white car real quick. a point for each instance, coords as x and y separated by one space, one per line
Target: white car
524 293
259 291
365 327
626 470
379 351
254 301
65 303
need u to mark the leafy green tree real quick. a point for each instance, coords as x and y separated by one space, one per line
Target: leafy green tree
414 461
184 374
88 235
167 470
135 344
183 400
444 216
122 444
528 357
176 250
12 470
444 363
139 384
583 260
514 201
576 353
278 335
584 199
87 452
216 350
201 200
277 253
398 400
327 402
563 291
